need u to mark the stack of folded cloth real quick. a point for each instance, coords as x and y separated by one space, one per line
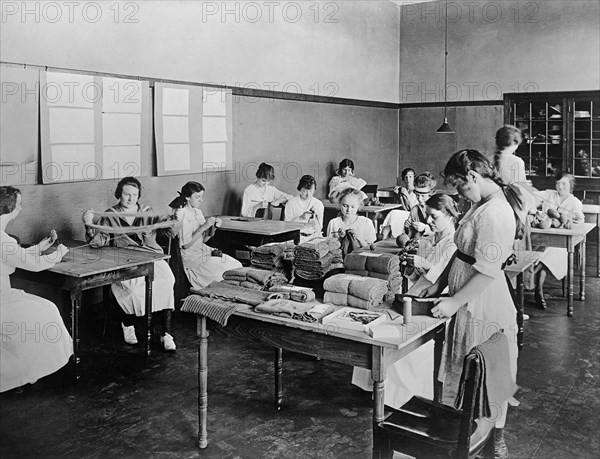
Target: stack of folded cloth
355 291
276 256
219 300
315 258
294 293
253 278
384 266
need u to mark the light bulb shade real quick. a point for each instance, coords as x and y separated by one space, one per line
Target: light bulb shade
445 128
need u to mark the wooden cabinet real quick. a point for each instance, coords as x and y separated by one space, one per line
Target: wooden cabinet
561 131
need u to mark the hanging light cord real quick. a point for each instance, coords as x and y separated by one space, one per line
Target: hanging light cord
445 59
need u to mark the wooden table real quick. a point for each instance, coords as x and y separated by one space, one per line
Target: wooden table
525 259
85 268
255 231
569 239
327 342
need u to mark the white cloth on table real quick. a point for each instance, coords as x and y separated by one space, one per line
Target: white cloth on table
34 341
200 267
254 196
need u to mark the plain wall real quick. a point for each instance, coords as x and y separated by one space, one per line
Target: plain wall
498 47
344 49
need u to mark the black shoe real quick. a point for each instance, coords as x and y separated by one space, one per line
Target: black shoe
540 302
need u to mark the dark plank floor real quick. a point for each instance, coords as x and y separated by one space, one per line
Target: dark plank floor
125 407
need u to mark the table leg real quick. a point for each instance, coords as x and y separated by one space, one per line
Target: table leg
582 270
278 377
149 278
75 310
520 311
438 346
381 447
202 381
570 282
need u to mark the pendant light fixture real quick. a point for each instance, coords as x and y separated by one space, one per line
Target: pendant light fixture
445 127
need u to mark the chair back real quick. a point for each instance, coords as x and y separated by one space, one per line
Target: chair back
472 379
370 190
272 212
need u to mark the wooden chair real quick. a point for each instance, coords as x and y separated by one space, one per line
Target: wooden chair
592 213
425 428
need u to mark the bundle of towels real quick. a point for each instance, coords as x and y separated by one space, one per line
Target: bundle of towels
384 266
276 256
253 278
355 291
315 258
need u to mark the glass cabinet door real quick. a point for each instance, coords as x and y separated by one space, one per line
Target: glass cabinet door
541 123
585 142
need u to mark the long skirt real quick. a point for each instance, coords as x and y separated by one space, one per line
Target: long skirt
34 340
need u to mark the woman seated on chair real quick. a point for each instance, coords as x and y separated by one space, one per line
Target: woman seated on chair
258 195
405 194
131 294
201 262
24 357
345 179
411 375
562 201
305 208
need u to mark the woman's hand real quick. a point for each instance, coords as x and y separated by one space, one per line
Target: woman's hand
418 262
419 226
445 308
48 241
218 222
210 222
397 189
88 217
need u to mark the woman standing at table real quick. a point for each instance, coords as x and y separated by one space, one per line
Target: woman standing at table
305 208
258 195
131 294
201 267
33 339
344 179
480 302
564 203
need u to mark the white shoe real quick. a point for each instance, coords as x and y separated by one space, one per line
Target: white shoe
129 334
525 316
168 342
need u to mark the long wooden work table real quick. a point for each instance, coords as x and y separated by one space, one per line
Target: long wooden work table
354 348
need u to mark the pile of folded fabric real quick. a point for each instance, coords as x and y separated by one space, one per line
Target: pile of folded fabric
355 291
253 278
219 300
276 256
295 293
384 266
317 257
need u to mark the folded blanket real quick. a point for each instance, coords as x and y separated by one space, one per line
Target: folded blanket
272 250
301 294
238 274
375 275
342 299
316 263
229 292
362 272
284 308
212 308
340 283
385 263
355 262
395 283
316 248
368 288
319 273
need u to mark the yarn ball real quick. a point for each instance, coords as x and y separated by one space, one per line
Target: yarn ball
401 240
